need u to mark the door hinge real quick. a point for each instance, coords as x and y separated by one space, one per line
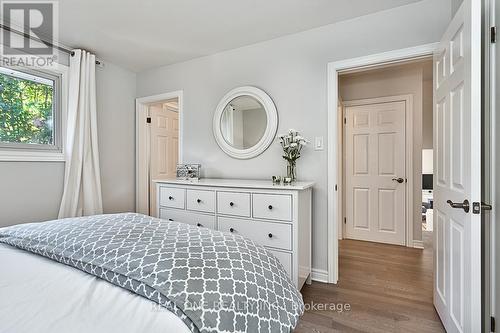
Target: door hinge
492 324
493 34
345 220
148 120
335 187
345 120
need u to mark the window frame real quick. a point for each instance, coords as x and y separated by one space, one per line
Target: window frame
40 152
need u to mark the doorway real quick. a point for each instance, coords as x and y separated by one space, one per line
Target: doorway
159 142
336 163
387 123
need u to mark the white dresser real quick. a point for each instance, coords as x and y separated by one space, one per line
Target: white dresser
276 216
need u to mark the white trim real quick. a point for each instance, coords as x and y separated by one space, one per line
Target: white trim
385 58
408 99
25 76
418 244
142 165
31 156
271 128
491 11
26 154
334 68
319 275
340 170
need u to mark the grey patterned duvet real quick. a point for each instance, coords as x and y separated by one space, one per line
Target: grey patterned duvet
214 282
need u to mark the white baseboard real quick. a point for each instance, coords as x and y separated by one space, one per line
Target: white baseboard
319 275
418 244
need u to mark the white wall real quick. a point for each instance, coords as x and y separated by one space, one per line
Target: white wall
293 70
393 81
31 191
116 123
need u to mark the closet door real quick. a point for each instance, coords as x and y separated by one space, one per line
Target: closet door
164 147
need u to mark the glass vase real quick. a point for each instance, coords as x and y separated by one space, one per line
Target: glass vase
291 170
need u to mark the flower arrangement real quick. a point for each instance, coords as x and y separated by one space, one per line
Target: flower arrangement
292 144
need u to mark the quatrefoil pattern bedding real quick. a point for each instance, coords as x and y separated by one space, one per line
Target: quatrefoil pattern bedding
214 282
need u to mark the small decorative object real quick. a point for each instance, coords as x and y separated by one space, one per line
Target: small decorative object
292 144
188 171
276 180
287 180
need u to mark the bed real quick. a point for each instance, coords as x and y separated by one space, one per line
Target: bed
134 273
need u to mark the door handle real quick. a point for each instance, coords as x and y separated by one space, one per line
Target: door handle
399 180
460 205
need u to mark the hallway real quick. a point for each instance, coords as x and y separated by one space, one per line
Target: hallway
382 288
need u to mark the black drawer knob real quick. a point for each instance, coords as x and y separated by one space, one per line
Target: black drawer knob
231 204
270 235
170 198
170 219
198 200
199 225
231 229
270 207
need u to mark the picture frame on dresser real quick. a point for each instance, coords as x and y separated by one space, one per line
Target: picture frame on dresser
276 216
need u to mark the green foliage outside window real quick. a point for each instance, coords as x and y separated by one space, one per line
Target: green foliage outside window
26 113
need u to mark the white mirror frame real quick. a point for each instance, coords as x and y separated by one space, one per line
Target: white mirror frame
271 128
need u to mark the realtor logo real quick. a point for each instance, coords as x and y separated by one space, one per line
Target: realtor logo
38 19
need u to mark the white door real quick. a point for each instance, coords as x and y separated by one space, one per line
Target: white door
164 147
457 178
375 171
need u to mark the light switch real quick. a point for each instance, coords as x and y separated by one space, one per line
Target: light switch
318 143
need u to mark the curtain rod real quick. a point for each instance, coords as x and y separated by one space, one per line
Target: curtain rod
37 39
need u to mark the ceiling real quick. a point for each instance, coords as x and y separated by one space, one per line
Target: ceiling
139 35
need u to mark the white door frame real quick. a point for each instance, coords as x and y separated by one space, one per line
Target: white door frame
335 147
408 99
141 139
491 15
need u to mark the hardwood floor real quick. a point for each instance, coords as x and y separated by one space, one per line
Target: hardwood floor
388 289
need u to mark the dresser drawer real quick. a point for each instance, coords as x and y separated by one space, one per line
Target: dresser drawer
272 206
172 197
197 219
201 200
271 234
233 203
285 259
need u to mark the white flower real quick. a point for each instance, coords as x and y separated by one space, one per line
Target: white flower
292 143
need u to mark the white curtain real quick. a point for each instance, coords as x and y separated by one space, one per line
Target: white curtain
82 183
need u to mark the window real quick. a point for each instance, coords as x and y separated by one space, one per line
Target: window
29 111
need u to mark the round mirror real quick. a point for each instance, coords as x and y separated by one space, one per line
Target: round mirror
245 122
